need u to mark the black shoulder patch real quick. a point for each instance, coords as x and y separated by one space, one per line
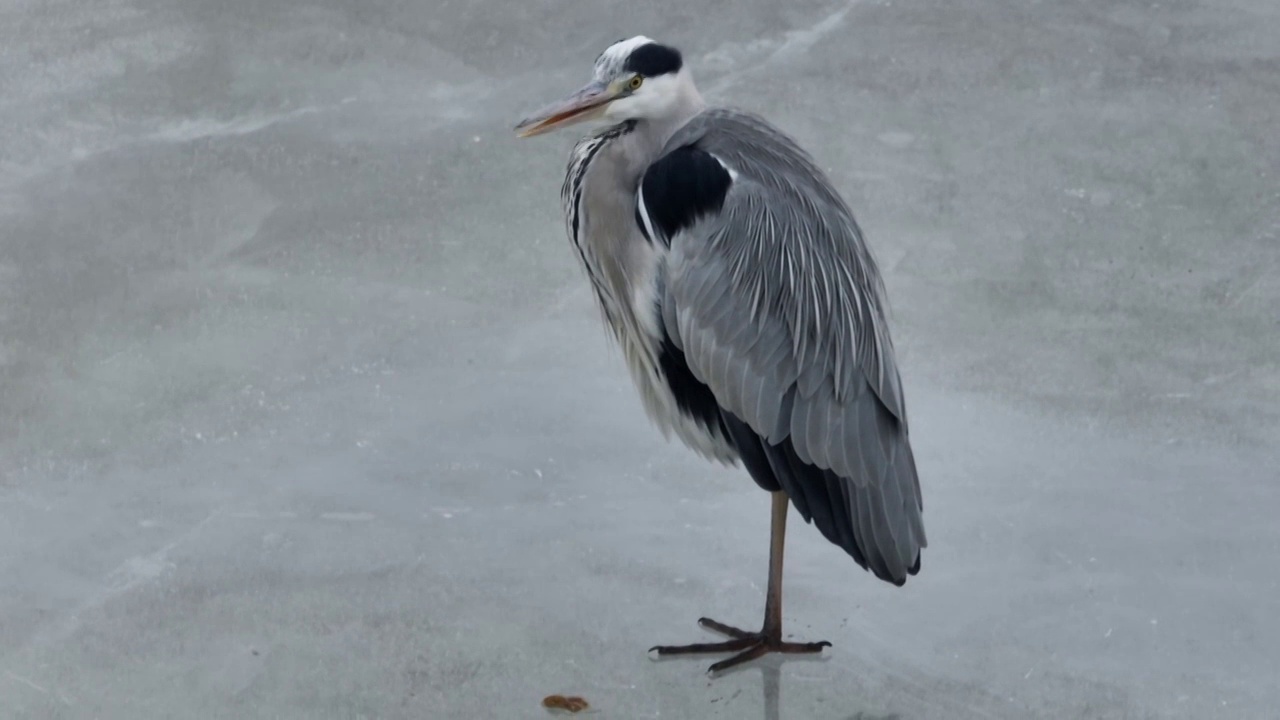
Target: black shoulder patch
652 59
680 187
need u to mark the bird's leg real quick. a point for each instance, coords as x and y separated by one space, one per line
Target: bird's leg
752 645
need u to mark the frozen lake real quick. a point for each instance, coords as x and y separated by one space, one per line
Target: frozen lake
305 410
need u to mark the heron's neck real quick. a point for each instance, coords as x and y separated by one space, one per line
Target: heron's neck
688 103
651 135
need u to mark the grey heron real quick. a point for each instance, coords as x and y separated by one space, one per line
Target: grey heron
749 309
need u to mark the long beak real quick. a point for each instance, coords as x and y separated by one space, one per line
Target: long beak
585 104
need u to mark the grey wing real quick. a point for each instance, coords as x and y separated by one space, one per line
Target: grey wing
777 307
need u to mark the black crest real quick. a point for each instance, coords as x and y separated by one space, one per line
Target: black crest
653 59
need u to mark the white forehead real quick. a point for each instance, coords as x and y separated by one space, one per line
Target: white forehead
615 56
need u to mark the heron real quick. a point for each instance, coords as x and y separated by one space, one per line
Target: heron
749 309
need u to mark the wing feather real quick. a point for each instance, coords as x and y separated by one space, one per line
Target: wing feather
778 305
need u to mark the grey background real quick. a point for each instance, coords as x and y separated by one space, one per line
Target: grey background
305 411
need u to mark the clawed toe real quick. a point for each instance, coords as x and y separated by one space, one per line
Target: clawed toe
748 645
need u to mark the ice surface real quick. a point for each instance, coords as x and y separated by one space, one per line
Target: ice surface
305 411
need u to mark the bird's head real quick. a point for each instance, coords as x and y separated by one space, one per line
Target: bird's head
635 79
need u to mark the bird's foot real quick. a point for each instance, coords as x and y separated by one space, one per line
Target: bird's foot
750 645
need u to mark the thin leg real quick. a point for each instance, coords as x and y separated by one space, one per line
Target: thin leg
777 543
754 645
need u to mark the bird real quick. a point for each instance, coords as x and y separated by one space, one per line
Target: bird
749 309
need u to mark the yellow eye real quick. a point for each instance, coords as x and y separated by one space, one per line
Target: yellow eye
635 83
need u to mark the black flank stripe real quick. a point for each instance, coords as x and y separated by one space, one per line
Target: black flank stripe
692 397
